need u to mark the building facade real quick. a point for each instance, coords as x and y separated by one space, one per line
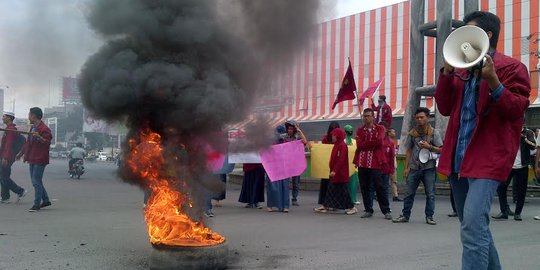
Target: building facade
377 44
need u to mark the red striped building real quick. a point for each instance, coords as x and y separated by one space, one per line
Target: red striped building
377 43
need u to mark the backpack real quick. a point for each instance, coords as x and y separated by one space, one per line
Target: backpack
18 144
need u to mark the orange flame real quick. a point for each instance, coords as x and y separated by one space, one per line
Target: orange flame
166 223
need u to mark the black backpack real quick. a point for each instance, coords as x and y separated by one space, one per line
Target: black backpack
18 144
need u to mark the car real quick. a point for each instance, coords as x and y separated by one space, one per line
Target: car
102 157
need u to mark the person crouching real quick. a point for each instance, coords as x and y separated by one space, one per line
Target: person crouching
337 196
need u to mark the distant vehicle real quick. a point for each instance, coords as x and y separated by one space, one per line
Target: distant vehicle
102 157
77 170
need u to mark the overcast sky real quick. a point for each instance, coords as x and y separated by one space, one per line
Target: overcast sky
43 40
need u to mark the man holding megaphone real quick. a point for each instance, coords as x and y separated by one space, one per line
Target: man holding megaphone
486 104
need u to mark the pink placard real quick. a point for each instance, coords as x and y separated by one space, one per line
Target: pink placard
284 160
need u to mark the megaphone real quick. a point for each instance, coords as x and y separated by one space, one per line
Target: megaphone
425 155
465 47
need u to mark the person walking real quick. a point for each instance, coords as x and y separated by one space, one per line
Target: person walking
8 150
482 137
422 136
36 154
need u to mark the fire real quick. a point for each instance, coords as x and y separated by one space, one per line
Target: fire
166 223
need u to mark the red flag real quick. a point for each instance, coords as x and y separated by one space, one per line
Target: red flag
369 91
348 86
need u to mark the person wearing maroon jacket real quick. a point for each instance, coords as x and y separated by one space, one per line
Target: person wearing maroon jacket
36 154
482 137
337 196
384 111
326 139
389 167
369 158
7 157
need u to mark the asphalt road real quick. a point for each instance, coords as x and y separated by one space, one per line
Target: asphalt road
97 223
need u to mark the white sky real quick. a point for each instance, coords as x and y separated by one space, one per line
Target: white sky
41 41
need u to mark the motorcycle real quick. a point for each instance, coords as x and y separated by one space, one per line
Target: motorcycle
77 169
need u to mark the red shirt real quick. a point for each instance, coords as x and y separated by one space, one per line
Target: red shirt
384 113
388 167
369 147
6 149
37 151
495 141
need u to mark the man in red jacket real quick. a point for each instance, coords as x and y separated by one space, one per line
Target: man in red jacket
384 111
36 153
7 157
482 137
369 158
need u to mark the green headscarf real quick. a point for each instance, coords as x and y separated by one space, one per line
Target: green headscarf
349 131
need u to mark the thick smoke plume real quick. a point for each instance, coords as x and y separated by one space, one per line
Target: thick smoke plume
187 68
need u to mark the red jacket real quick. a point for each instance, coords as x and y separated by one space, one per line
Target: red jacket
9 138
339 159
384 115
388 167
495 140
37 151
369 147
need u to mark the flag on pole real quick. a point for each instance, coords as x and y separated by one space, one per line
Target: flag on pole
370 91
348 86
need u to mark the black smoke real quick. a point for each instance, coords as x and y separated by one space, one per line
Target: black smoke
188 68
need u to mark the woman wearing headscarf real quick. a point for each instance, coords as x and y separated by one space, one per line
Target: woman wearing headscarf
252 192
277 192
353 180
337 196
326 139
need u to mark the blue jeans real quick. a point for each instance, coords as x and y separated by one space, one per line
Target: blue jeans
295 187
36 174
7 183
428 178
473 199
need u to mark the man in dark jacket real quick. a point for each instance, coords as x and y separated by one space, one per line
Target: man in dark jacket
482 137
520 174
36 153
7 157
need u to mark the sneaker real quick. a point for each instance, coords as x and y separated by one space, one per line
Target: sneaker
518 217
357 202
320 209
258 206
249 205
430 221
500 216
6 201
351 211
34 209
401 219
454 214
285 210
45 204
388 216
20 196
208 213
536 217
295 203
366 215
397 199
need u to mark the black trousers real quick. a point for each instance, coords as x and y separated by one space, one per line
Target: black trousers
519 188
368 177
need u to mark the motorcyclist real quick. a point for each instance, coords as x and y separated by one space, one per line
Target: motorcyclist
76 153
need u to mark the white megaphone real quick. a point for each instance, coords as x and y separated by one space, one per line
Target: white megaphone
425 155
465 47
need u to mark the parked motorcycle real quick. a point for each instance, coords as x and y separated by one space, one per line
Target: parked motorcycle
77 169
